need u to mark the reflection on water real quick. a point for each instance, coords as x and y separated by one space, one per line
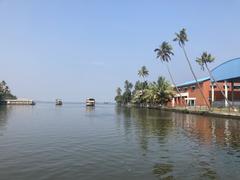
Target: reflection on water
205 140
90 108
108 142
4 112
162 170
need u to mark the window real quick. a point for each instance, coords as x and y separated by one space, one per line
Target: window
193 88
213 86
236 87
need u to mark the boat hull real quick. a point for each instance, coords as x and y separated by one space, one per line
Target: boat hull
90 104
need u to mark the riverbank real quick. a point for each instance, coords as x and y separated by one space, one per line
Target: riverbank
232 115
216 112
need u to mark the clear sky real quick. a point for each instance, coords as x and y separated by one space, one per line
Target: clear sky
73 49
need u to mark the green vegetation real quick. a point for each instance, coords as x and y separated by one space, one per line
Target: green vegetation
5 92
145 93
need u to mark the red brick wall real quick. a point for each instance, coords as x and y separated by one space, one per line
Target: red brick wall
206 88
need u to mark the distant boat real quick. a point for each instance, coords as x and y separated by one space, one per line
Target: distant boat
20 101
59 102
90 102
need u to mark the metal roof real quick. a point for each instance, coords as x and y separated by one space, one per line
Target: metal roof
229 70
192 82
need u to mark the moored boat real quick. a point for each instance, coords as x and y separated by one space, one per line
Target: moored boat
90 102
59 102
19 101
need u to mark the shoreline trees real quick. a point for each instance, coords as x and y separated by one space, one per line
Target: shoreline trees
158 92
5 92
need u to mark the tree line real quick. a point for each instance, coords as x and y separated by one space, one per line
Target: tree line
145 92
5 92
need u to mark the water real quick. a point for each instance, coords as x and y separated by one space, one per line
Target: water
104 143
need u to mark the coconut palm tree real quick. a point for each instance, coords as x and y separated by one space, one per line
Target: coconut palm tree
143 72
164 53
128 85
118 97
119 91
182 38
127 95
203 61
159 92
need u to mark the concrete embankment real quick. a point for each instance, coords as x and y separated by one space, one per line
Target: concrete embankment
196 111
232 115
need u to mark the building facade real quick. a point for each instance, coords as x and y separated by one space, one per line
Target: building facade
226 83
191 94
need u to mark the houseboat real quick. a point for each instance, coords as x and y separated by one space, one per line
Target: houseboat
59 102
20 101
90 102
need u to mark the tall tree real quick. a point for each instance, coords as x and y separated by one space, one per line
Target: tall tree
164 53
128 85
127 95
143 72
182 38
203 61
5 92
118 97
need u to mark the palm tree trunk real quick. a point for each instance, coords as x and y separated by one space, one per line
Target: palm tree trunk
190 66
170 74
218 86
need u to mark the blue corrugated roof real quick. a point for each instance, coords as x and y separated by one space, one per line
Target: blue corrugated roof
192 82
227 70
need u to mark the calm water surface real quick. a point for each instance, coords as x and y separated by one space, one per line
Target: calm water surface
74 142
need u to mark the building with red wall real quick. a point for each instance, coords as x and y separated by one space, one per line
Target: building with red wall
191 94
225 81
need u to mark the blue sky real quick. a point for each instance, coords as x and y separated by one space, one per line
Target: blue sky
73 49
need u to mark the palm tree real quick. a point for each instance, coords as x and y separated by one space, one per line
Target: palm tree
143 72
127 95
203 62
159 92
119 91
164 53
118 97
181 38
128 85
